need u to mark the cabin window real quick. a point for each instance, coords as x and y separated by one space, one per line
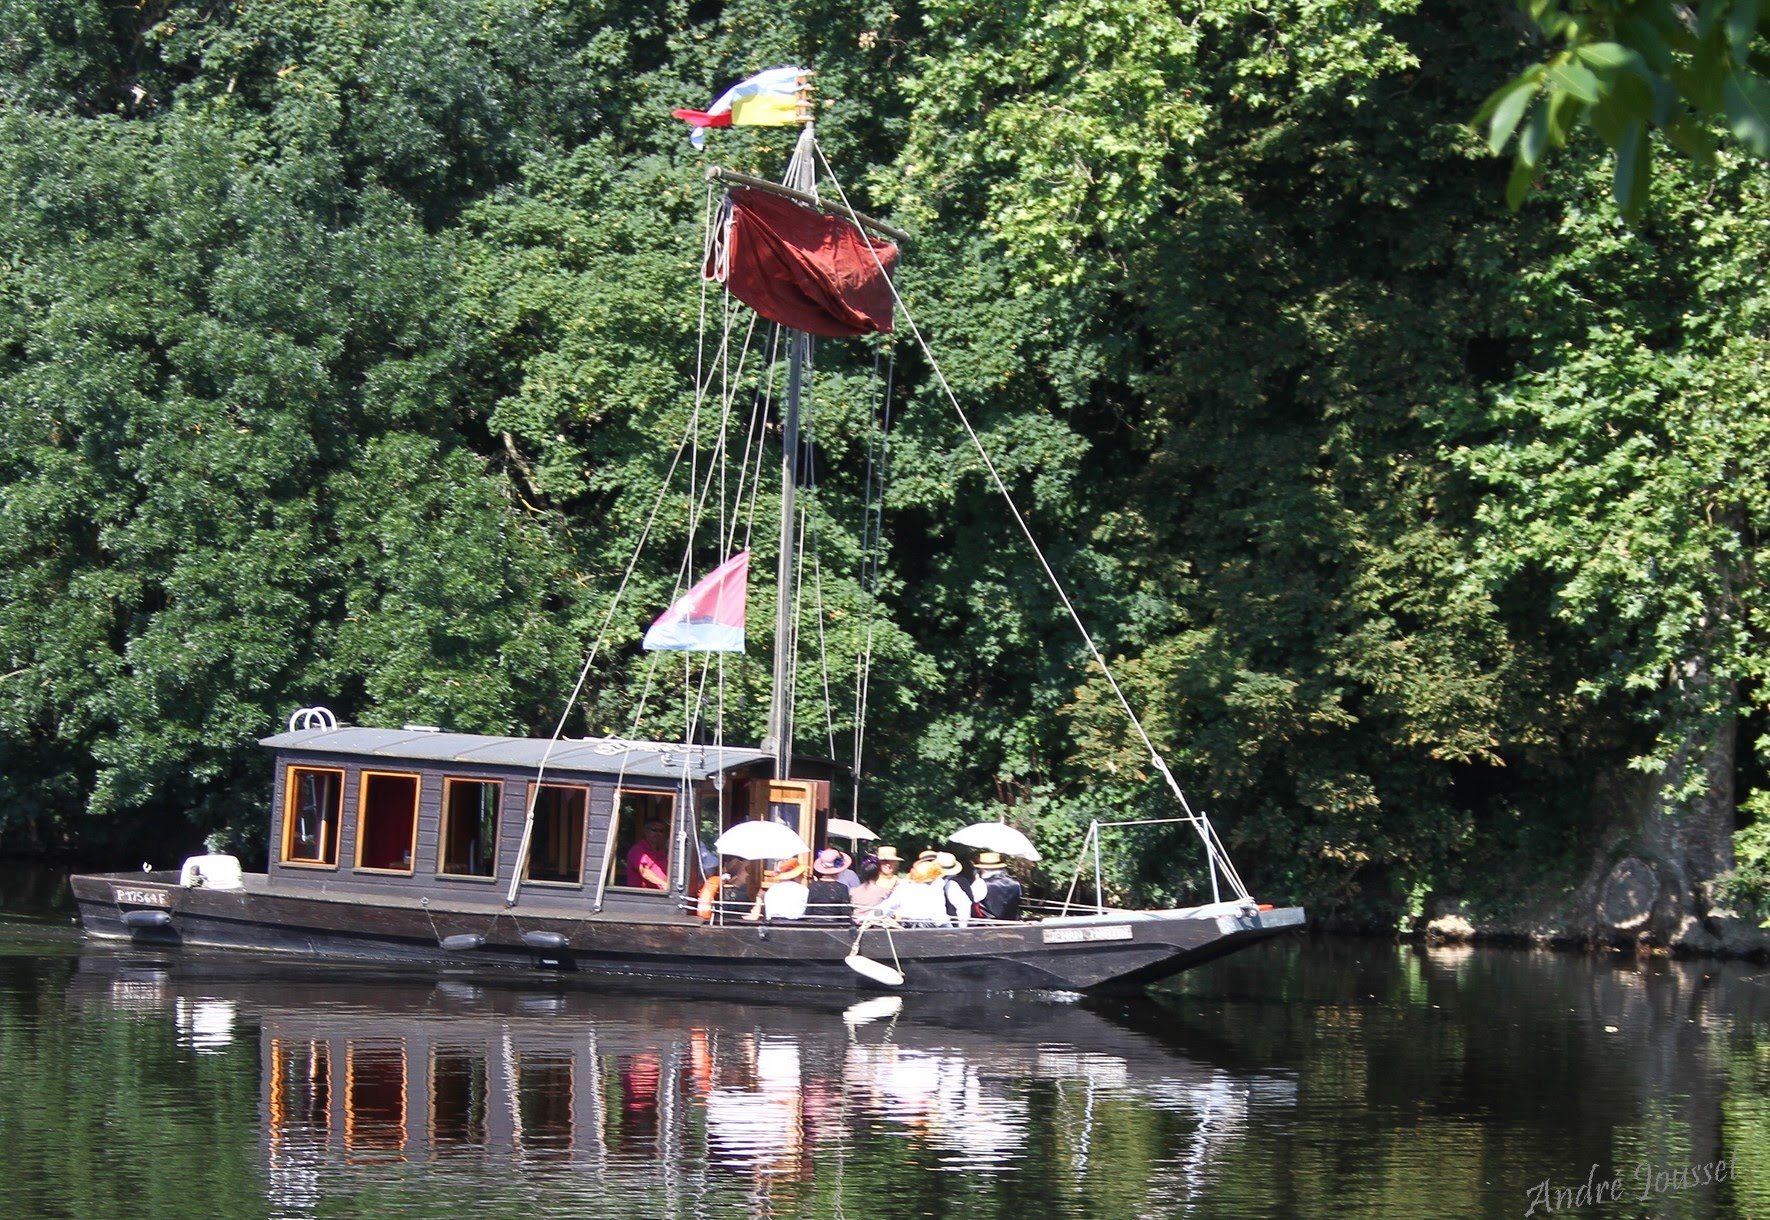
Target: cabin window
641 859
387 822
556 846
470 827
313 802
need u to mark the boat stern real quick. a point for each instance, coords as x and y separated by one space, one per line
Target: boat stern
128 906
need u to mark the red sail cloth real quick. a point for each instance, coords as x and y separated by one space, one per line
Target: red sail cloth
803 269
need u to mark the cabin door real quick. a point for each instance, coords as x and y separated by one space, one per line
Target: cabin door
792 803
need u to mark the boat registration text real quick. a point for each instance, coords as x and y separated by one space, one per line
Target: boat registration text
140 898
1070 936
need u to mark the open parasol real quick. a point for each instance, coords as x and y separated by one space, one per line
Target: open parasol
852 831
998 837
760 840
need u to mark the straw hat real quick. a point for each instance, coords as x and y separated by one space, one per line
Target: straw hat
929 854
925 871
789 870
888 855
989 861
830 862
948 863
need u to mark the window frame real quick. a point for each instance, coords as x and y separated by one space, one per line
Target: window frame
286 860
617 859
362 810
445 819
528 863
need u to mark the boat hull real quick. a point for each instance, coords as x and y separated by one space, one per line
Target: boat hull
1112 952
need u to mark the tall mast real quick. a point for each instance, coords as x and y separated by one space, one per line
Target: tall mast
801 176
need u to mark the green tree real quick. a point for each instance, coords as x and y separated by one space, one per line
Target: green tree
1630 68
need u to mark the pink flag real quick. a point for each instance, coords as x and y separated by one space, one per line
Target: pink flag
711 617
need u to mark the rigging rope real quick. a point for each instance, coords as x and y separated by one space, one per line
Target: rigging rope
701 386
872 555
1213 846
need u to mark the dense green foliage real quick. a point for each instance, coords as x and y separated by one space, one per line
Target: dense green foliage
1631 68
344 348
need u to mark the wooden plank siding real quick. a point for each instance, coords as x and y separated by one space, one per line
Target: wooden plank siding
427 877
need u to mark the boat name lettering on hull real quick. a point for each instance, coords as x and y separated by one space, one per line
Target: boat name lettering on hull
140 898
1070 936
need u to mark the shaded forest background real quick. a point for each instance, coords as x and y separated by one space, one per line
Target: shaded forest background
343 345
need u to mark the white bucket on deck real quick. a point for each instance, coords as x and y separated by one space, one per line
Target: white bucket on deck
212 872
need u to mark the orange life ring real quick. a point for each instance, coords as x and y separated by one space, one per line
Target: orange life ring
709 891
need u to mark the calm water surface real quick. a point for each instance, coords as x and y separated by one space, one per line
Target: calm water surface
1308 1078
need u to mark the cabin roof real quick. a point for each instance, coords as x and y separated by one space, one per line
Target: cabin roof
579 756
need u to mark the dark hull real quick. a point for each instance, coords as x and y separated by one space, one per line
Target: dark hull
1115 952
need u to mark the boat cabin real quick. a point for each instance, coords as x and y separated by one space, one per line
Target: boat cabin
425 813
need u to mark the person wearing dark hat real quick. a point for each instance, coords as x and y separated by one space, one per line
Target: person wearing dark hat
997 894
826 896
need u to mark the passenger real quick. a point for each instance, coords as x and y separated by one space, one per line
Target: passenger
786 898
646 859
826 896
734 883
888 864
872 888
848 877
997 894
956 896
918 902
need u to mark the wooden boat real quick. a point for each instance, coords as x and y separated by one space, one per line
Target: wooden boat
392 844
448 849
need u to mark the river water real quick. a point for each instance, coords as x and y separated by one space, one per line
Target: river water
1303 1078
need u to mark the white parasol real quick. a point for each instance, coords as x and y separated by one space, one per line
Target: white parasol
998 837
760 840
852 831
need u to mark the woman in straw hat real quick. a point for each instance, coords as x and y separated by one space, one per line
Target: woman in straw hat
889 863
918 902
784 893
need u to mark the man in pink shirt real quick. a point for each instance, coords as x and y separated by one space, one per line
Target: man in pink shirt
646 859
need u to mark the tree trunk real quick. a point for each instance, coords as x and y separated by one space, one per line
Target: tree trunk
1651 882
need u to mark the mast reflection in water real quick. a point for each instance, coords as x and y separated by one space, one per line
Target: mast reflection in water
605 1103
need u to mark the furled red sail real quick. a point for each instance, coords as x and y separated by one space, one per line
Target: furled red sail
801 268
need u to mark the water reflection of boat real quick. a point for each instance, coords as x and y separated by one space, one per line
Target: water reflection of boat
359 1073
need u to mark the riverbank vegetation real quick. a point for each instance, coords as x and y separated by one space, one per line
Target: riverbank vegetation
342 346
